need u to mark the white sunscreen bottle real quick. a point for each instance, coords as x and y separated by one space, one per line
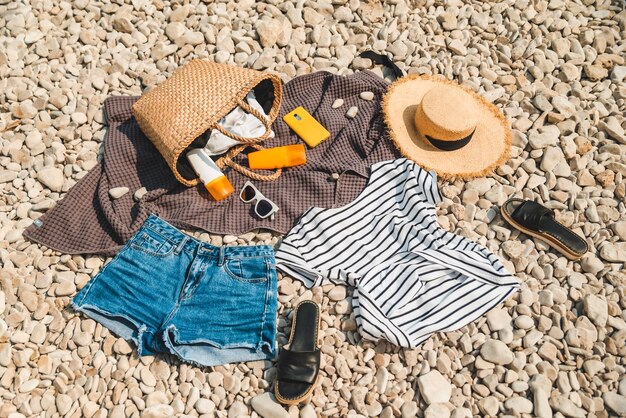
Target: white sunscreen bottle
210 174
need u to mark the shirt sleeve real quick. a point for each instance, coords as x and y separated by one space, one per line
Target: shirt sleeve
433 189
428 182
290 261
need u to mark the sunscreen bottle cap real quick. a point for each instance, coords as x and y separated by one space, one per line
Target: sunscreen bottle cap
220 188
296 154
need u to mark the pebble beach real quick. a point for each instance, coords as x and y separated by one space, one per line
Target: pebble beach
557 70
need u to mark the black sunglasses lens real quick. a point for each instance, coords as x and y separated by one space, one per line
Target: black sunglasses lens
263 208
248 193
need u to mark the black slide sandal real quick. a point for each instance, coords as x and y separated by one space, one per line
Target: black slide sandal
538 221
299 365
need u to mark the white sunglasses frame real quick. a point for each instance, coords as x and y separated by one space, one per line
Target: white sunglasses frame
255 200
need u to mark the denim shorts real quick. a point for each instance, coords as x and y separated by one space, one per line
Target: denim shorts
171 293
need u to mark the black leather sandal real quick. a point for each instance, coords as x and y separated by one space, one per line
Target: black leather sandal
538 221
299 365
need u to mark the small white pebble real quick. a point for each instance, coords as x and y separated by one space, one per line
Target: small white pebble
367 95
118 192
351 113
337 103
79 118
139 193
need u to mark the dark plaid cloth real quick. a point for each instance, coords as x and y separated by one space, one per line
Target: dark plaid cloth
87 220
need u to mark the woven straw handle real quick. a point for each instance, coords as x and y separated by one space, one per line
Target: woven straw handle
227 160
263 119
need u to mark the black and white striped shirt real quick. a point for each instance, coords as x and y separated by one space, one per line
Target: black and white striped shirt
411 277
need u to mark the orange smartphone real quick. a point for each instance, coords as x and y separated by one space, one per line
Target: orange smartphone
306 127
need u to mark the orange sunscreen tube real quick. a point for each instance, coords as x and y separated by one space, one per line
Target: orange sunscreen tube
211 176
279 157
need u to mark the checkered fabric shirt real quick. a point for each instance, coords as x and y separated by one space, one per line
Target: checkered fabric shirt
88 220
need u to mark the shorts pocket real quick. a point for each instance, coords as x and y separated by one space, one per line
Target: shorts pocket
247 269
153 243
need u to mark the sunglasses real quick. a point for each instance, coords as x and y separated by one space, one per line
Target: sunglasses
263 207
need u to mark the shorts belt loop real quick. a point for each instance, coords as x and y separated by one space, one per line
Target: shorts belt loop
220 260
180 245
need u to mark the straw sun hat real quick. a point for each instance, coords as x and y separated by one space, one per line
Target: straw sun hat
446 127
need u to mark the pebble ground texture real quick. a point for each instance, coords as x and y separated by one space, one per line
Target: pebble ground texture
557 70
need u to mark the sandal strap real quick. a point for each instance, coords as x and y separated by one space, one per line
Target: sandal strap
298 366
531 215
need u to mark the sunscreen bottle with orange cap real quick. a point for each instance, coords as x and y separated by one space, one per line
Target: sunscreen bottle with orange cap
210 174
279 157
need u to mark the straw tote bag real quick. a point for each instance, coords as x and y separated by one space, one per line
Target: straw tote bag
179 111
